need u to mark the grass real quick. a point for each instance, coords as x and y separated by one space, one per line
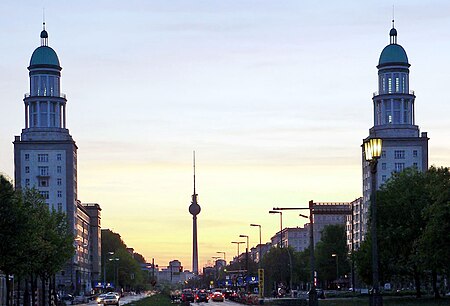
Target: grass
401 301
154 300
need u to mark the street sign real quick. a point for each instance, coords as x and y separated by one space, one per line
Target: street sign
261 283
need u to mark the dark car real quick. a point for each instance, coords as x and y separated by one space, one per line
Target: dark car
201 296
187 296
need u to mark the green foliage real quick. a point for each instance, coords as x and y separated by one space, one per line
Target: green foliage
413 214
12 236
333 241
120 263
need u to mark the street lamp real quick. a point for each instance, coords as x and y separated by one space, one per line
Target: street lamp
104 267
238 243
281 225
116 276
337 266
246 254
224 257
312 296
260 253
372 151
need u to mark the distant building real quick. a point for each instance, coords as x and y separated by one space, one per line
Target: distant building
299 237
174 273
357 225
45 157
394 122
254 251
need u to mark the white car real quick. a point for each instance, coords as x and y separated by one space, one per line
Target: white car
110 298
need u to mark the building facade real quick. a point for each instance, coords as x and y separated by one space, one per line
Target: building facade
45 157
394 122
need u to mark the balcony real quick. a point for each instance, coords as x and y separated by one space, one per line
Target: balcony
377 93
28 95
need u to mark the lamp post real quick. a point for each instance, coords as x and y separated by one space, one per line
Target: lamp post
372 152
224 257
246 255
312 296
238 243
104 267
260 253
116 260
281 225
337 266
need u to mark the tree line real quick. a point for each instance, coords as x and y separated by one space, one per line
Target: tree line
35 242
413 214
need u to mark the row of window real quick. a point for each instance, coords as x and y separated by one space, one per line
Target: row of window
43 158
43 182
399 154
46 194
43 170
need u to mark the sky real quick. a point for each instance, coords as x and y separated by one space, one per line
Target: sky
274 97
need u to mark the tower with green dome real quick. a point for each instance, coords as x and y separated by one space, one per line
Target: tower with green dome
394 122
45 157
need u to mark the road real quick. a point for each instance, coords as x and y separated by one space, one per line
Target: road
123 301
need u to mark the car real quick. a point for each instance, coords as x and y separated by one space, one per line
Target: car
187 296
201 296
217 296
110 298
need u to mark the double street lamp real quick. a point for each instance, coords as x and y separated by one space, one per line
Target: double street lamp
238 243
372 151
337 266
260 253
246 255
224 257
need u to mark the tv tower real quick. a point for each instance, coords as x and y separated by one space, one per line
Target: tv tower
194 210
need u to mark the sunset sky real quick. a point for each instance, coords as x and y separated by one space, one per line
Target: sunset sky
274 97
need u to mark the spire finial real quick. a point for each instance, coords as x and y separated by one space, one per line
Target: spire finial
194 173
44 34
393 32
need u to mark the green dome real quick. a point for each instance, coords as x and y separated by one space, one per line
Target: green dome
44 55
393 53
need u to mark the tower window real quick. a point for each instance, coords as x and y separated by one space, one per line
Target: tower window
42 158
389 85
44 194
59 156
59 207
383 166
383 154
414 153
59 194
27 169
399 167
58 169
397 84
43 171
59 182
27 157
399 154
27 182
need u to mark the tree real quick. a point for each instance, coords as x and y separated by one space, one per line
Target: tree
413 226
434 242
11 234
333 241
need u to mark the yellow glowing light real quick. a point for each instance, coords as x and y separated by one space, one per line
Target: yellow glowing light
372 148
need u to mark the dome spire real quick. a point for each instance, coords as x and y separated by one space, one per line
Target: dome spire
393 34
44 35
